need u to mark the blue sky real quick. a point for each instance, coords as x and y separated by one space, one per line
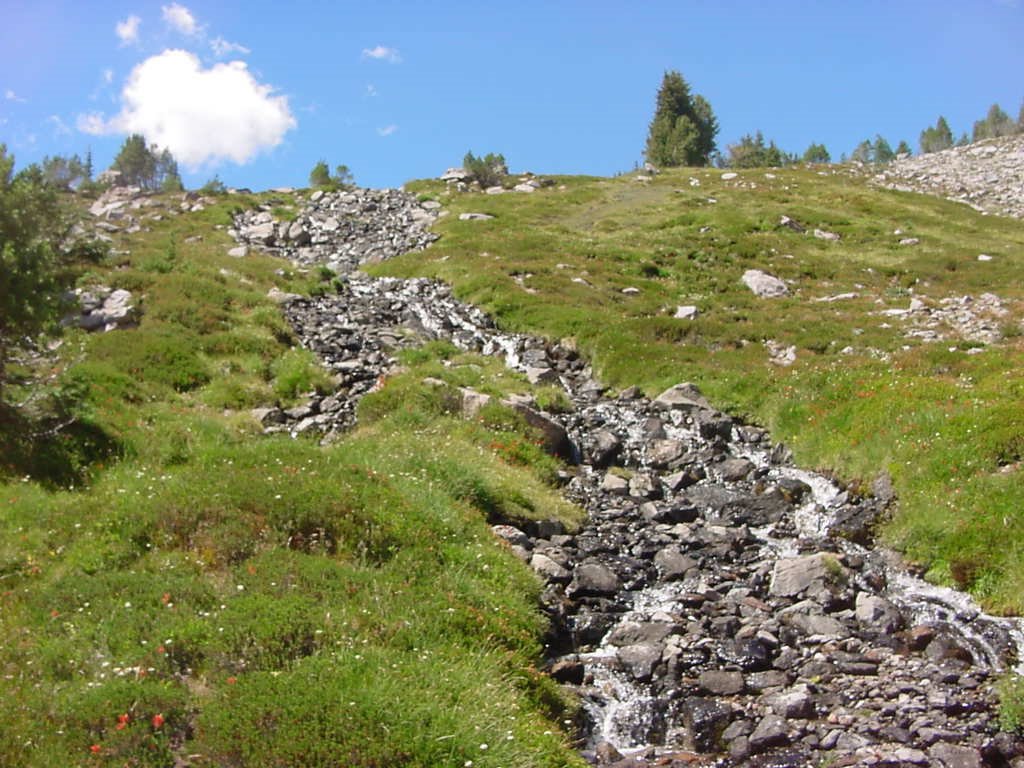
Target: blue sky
257 92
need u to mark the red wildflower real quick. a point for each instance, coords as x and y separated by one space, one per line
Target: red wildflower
157 720
166 598
95 749
232 680
122 721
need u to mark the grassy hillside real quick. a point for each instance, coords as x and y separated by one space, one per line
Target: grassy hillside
862 396
178 589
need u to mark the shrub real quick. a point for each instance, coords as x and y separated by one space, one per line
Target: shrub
297 371
155 354
487 171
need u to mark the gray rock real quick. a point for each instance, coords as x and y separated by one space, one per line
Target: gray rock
615 484
733 470
512 535
795 576
475 216
721 682
640 633
686 397
239 251
548 569
686 312
593 579
640 660
822 234
673 564
878 613
764 285
772 731
795 704
604 448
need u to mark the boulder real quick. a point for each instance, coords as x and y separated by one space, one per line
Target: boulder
764 285
593 579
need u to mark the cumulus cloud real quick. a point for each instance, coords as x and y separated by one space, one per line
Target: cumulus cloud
222 48
180 18
12 96
128 30
201 115
387 130
383 53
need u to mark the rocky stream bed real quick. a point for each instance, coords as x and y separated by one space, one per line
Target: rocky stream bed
720 606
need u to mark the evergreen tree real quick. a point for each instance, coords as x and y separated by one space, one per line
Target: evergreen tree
30 231
684 127
816 153
881 151
135 162
863 152
963 141
904 149
1020 118
752 152
320 176
938 138
996 123
87 169
64 173
167 177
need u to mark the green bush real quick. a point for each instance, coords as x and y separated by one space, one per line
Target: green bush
297 371
158 354
488 171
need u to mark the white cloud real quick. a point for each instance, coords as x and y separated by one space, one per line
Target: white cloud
12 96
201 115
222 47
387 130
128 30
371 90
92 123
60 128
108 76
383 53
180 18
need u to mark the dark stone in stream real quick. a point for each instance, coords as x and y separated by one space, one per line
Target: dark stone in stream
704 721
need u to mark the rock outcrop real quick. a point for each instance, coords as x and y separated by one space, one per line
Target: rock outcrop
987 175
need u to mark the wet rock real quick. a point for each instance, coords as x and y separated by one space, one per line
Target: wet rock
878 613
548 569
704 721
604 448
686 397
804 575
640 659
954 756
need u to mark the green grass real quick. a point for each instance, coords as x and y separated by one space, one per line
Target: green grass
179 587
947 425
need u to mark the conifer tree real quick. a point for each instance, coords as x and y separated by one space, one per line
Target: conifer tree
996 123
684 127
904 148
816 153
881 151
937 138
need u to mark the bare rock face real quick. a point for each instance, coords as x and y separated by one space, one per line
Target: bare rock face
987 175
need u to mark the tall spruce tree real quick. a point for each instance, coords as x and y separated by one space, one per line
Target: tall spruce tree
684 127
816 153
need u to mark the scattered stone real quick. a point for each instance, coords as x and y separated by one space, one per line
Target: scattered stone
686 312
822 234
474 216
764 285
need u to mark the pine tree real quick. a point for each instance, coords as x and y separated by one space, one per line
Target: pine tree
816 153
996 123
881 151
752 152
903 149
938 138
135 162
320 176
683 129
863 152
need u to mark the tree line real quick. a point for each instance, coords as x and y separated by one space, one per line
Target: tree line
683 130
